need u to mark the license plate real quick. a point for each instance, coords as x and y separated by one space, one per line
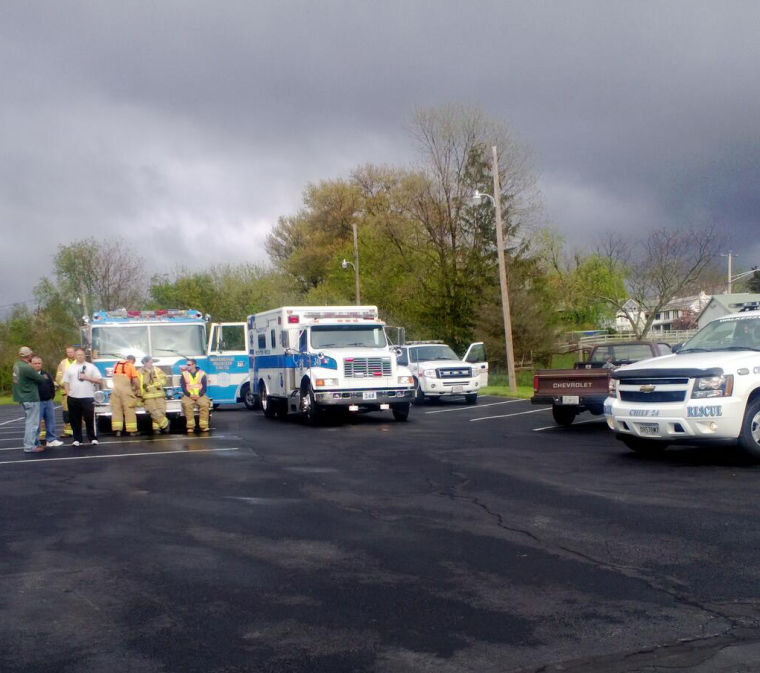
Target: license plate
457 389
571 399
369 395
649 428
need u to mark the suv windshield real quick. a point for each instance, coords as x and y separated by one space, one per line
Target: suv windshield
735 333
441 352
347 336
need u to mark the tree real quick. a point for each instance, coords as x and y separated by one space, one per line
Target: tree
669 264
753 282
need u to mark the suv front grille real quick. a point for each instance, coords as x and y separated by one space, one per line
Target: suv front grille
454 372
364 367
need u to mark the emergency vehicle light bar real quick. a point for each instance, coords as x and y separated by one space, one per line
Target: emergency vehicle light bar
158 314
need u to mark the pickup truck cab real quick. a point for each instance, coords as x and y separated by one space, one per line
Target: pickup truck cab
708 391
586 386
438 372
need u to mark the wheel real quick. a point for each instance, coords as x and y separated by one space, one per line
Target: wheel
269 407
419 396
472 398
313 410
650 447
749 437
249 398
563 415
400 411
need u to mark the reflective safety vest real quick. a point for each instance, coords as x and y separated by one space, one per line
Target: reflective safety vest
63 365
152 383
194 384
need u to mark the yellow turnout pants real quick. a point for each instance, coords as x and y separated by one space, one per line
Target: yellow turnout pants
188 408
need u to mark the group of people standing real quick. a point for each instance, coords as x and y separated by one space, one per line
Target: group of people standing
34 389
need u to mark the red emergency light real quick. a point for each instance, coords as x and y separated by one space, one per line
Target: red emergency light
293 320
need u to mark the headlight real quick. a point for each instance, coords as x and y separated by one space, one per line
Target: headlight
612 388
713 386
99 396
406 380
429 373
322 383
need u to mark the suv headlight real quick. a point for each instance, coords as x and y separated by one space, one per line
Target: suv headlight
713 386
612 388
430 373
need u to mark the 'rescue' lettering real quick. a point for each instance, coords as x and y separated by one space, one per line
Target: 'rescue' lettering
704 412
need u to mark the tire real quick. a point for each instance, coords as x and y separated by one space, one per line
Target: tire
400 411
749 437
269 407
103 424
647 447
313 411
472 398
419 396
249 398
563 415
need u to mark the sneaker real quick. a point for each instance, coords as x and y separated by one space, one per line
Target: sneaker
36 449
55 442
118 433
94 441
75 443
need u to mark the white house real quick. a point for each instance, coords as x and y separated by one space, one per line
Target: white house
680 307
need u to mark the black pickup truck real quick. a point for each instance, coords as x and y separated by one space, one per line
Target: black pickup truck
586 386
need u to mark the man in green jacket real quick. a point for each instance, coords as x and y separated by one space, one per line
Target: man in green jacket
26 393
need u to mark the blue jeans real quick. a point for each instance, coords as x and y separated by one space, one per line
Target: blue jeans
31 423
47 414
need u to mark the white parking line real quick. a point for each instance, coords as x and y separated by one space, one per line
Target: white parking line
519 413
554 427
42 461
13 420
471 407
152 440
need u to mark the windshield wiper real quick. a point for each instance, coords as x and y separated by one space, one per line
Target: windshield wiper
695 350
740 348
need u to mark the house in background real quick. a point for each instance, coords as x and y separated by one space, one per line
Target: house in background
723 304
678 314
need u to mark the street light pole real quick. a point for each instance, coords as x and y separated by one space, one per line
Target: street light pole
503 275
356 263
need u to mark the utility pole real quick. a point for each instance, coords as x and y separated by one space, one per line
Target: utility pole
356 263
503 275
730 256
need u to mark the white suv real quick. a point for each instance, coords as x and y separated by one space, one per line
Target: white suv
438 372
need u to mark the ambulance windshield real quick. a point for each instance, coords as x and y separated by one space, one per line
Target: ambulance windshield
118 341
347 336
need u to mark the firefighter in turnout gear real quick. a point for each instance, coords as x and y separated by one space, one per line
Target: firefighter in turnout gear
63 365
152 382
194 385
124 397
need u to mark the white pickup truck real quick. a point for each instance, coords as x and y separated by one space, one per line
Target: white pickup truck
708 391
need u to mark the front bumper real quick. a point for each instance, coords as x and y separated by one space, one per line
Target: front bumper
698 420
173 408
363 396
440 388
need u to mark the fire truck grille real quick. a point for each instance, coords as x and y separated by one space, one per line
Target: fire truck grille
361 367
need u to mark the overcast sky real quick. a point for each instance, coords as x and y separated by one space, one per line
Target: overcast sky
188 126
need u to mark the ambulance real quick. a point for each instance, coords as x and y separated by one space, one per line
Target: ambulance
312 359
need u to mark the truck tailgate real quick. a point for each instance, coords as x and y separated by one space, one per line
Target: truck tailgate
571 382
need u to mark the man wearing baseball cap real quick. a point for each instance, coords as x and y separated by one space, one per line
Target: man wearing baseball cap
26 393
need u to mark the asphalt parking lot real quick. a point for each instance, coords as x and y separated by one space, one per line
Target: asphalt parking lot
470 538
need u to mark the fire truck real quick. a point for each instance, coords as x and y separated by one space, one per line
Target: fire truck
312 359
170 336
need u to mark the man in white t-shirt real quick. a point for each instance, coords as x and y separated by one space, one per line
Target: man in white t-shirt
80 381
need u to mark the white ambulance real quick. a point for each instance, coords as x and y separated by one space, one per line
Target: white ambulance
308 359
708 391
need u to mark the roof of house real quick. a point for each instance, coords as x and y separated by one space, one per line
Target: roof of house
731 303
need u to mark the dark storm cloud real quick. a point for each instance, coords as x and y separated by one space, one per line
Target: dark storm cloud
188 127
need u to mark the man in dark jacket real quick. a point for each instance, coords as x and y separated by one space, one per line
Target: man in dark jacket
26 393
47 408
